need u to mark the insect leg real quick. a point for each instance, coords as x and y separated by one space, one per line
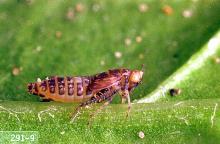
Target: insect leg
124 93
126 96
77 110
109 100
129 104
123 100
101 96
124 88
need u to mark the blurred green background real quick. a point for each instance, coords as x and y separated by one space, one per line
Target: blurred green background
40 38
55 37
45 38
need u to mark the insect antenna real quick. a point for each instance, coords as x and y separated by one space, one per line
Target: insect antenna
142 67
143 70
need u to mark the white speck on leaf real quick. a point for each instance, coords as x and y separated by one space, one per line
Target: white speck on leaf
141 134
217 60
138 39
187 13
127 41
118 54
143 7
16 71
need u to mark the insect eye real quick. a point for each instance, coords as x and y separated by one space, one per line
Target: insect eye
135 77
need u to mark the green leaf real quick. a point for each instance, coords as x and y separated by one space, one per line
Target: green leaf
28 41
43 38
191 121
197 79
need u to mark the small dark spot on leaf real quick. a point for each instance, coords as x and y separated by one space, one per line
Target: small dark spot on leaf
176 55
174 91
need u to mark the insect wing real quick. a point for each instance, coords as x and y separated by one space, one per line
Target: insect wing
104 82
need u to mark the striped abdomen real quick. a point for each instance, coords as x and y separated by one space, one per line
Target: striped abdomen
64 89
